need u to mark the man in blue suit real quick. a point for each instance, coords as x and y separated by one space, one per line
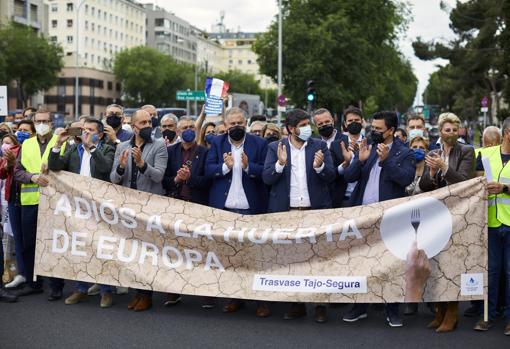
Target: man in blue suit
338 145
234 163
299 170
382 170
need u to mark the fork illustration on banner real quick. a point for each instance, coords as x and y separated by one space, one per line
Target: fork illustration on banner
415 221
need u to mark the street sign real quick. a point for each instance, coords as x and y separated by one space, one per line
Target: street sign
282 101
484 109
190 95
485 102
281 108
3 101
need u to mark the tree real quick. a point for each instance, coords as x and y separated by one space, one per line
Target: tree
345 47
478 56
240 82
150 77
28 59
441 88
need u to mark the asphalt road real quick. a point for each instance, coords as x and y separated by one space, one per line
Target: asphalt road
34 322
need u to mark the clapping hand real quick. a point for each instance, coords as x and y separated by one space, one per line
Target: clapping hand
137 156
282 154
364 150
318 159
228 160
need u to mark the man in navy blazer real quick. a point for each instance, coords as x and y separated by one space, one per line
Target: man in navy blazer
382 170
334 140
185 177
299 170
234 163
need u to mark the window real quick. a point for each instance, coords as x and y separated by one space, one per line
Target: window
93 26
69 39
86 25
93 11
70 7
230 61
69 23
240 61
86 41
117 87
86 9
54 23
110 85
53 39
54 7
249 61
99 13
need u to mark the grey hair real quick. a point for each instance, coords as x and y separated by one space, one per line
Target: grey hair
236 110
184 118
169 116
321 111
258 122
115 106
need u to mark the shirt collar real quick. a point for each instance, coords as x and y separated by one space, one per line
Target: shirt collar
236 146
298 149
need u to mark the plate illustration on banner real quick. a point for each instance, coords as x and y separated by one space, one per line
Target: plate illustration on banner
426 220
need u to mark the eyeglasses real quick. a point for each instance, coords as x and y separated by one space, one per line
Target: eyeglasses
46 122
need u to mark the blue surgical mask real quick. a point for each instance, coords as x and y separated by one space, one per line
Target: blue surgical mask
209 138
188 135
22 136
415 133
419 154
305 133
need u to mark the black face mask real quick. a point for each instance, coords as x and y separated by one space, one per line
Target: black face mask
237 133
377 137
168 134
146 133
326 131
155 122
272 139
113 121
354 128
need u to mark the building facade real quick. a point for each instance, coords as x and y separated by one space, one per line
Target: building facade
170 35
92 31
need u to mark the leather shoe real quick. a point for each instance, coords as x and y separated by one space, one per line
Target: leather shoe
263 310
321 314
296 310
55 295
232 306
27 291
134 302
7 297
144 303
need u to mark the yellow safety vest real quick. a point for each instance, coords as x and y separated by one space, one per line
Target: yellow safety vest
32 161
499 204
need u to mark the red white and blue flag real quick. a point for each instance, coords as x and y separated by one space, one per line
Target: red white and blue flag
215 90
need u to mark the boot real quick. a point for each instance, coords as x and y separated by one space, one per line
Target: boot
440 313
451 318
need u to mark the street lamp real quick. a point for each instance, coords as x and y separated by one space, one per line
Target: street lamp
77 72
279 57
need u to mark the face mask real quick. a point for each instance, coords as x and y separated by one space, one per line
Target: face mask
237 133
188 135
9 123
326 131
113 121
354 128
42 129
145 133
419 154
168 134
377 137
22 136
209 138
305 133
271 139
127 127
93 139
450 140
415 133
6 147
155 122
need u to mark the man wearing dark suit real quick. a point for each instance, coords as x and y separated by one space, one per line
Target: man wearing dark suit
91 158
185 177
334 140
235 162
299 170
382 170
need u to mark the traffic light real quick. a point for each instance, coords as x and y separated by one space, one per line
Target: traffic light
311 94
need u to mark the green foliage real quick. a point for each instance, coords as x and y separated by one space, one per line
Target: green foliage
345 46
28 59
479 58
240 82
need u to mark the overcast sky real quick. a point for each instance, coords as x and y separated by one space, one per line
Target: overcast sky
429 22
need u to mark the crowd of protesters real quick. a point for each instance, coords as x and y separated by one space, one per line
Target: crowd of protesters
250 168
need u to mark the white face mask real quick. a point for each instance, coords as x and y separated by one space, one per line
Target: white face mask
127 127
42 129
415 133
305 133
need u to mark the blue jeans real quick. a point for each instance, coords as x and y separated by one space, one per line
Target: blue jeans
499 261
15 220
83 287
28 231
